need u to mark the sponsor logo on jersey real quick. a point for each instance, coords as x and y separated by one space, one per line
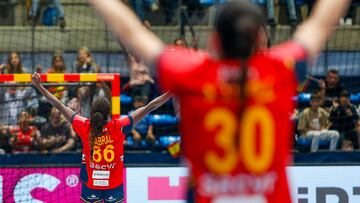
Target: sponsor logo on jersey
101 183
101 174
102 166
212 185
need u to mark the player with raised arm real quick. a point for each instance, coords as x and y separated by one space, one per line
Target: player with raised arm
103 139
235 106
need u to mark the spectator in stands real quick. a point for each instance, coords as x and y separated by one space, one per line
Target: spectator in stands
15 99
23 137
13 64
58 66
57 134
350 15
140 79
293 19
60 92
144 129
313 125
4 140
140 6
182 42
345 119
85 63
169 7
74 105
347 146
34 12
331 88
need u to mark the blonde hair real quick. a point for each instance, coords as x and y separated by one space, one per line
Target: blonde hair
87 52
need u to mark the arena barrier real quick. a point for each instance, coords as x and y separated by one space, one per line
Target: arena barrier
159 178
321 184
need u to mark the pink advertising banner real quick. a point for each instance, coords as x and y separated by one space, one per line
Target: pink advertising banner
39 185
164 185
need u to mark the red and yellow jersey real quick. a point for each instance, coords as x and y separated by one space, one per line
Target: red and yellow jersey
23 139
241 157
105 169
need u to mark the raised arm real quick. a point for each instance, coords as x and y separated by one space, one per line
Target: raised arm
153 105
316 30
129 29
66 111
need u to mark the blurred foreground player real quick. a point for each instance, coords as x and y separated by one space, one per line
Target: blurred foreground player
103 144
235 106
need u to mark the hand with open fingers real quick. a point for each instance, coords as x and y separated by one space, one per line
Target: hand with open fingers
36 79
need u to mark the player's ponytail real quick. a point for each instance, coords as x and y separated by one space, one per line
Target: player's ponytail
100 110
238 24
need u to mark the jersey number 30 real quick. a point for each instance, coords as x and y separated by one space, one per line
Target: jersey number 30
225 122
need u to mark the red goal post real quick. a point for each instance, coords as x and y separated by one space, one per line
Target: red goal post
113 78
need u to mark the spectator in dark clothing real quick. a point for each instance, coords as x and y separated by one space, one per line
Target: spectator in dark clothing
141 6
169 7
331 88
144 129
4 140
345 119
57 134
34 12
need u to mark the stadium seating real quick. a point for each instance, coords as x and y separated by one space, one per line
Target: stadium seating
303 145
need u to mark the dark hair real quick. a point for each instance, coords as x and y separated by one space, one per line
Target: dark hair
12 69
180 39
58 56
99 111
334 71
347 142
139 99
21 112
344 93
238 24
315 95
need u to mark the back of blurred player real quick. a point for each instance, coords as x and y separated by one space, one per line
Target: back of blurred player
235 107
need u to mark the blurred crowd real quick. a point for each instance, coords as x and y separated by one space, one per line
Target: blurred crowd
174 11
297 10
330 121
28 123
